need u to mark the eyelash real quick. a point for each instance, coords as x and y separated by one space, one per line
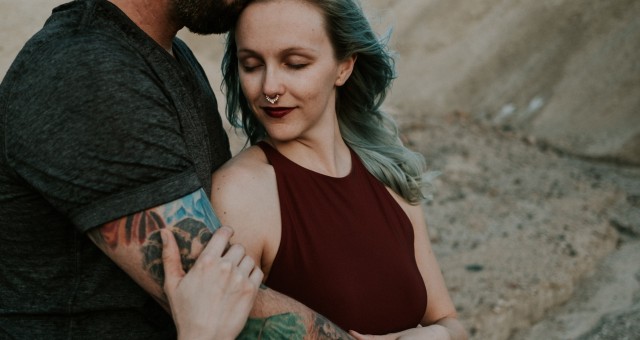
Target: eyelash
297 66
249 69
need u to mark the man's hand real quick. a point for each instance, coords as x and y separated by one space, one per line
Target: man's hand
214 299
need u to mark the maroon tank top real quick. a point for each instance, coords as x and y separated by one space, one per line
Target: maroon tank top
346 249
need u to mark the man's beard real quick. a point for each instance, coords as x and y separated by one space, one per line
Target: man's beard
207 16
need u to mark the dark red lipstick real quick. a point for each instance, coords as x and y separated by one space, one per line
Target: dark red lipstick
277 112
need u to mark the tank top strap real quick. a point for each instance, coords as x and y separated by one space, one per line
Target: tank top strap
272 154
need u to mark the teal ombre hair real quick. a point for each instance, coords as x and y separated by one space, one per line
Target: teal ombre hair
369 131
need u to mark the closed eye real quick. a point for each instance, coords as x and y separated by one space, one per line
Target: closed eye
297 66
250 68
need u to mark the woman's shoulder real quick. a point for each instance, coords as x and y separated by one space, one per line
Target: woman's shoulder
248 170
246 165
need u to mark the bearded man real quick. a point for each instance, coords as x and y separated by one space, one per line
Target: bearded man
109 133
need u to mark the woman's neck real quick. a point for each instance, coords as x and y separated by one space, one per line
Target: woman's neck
328 156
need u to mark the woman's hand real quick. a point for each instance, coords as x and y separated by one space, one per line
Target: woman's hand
433 332
213 300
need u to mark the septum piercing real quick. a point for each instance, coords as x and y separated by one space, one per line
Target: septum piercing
272 100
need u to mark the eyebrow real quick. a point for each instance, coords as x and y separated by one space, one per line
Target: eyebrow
287 51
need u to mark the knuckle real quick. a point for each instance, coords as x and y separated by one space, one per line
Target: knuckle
206 261
238 248
248 288
250 262
225 267
223 233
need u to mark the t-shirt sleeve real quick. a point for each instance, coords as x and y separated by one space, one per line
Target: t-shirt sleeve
94 132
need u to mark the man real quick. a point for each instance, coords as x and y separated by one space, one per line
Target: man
109 133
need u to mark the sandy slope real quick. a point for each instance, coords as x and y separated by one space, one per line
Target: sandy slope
519 228
565 71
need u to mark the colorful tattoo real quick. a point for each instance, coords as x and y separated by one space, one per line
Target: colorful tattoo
195 206
132 229
280 326
325 329
291 326
190 235
192 222
191 219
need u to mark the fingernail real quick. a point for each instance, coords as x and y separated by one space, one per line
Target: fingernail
228 229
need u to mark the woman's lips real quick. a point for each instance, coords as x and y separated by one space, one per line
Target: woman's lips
277 112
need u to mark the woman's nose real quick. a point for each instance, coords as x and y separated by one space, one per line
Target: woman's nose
272 83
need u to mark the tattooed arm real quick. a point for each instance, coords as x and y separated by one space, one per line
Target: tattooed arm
134 243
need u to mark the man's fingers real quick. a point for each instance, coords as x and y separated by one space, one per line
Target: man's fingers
173 271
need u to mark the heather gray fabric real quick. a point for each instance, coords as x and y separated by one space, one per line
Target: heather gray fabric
97 121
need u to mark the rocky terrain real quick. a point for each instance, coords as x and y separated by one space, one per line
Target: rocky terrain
528 235
528 113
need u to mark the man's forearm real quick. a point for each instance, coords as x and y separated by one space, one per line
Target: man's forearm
277 316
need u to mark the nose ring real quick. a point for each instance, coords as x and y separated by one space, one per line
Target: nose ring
272 100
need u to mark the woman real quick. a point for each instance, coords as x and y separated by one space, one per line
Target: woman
335 220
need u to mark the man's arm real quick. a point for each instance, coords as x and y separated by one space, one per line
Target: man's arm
277 316
134 243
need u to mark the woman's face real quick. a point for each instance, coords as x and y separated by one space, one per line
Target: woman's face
284 50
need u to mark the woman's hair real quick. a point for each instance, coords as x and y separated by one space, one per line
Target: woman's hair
369 131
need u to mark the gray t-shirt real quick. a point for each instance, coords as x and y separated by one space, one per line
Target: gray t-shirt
97 121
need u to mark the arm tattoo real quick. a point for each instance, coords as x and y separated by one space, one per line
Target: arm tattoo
131 229
191 219
189 233
291 326
293 322
325 329
280 326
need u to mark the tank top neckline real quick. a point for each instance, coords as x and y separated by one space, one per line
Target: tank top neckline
310 172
